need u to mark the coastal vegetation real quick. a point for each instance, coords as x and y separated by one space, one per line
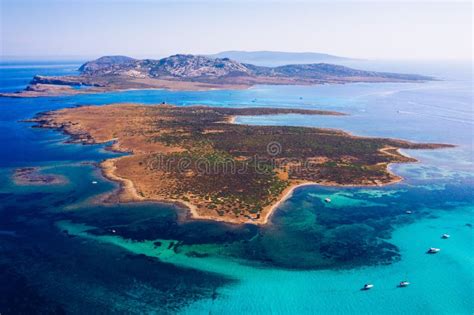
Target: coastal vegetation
224 171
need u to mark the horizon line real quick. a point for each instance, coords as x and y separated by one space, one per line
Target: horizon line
89 57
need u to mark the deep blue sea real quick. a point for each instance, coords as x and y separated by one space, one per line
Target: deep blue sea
61 252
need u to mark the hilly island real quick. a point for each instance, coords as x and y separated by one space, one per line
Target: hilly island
192 72
196 156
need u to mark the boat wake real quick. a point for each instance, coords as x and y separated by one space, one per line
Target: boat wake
442 117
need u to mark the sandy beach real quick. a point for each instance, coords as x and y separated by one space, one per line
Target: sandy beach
128 193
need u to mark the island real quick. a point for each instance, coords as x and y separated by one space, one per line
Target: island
196 156
190 72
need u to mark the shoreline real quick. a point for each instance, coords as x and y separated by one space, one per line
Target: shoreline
67 90
60 90
127 192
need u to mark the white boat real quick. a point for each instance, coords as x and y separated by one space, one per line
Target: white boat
433 250
368 286
328 200
404 284
445 236
94 182
408 212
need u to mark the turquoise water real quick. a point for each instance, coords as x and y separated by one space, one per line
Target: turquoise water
62 251
441 285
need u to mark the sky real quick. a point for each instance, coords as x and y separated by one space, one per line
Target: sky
428 30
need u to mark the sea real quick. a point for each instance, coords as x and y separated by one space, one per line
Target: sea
62 252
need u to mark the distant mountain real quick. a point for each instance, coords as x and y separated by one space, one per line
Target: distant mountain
189 72
275 58
106 62
227 71
176 66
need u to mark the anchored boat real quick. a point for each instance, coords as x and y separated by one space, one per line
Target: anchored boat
368 286
433 250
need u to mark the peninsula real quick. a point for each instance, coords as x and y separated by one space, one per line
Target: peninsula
196 156
189 72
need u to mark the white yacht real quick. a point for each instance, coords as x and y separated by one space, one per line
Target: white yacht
445 236
404 284
328 200
433 250
368 286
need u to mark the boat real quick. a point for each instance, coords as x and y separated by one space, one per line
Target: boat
368 286
328 200
445 236
94 182
408 212
433 250
403 284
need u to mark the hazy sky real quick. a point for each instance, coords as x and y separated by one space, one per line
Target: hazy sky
376 30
